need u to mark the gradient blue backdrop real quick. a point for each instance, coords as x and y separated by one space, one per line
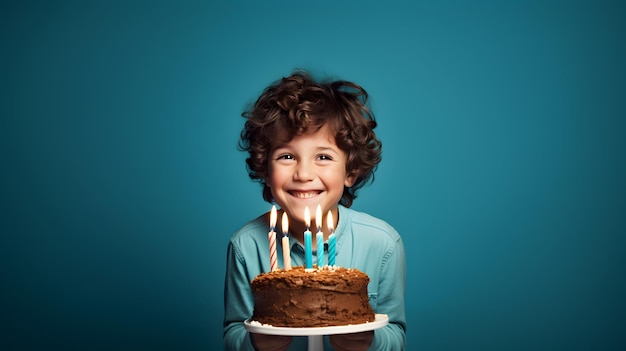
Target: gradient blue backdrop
503 131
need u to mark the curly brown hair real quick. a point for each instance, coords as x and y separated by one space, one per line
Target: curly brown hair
298 104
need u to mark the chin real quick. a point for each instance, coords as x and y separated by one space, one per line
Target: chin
296 213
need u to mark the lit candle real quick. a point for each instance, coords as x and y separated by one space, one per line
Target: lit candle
271 236
319 237
286 249
308 254
332 240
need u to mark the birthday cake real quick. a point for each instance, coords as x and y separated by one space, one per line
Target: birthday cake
318 298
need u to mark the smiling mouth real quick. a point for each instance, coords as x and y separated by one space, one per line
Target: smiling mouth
304 195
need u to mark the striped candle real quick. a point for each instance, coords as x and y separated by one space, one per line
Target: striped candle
271 236
319 237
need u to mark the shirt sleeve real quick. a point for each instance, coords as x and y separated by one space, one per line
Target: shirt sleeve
238 302
391 300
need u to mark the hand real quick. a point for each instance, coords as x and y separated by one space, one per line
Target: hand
352 342
263 342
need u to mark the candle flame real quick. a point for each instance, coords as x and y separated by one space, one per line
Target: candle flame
273 217
285 223
331 223
318 217
307 217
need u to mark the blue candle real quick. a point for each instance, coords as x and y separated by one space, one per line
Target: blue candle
332 240
332 247
308 244
319 237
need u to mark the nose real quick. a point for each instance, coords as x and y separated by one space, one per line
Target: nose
304 172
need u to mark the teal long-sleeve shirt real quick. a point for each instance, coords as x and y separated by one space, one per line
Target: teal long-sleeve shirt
363 242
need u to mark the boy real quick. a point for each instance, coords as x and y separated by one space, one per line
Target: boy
313 144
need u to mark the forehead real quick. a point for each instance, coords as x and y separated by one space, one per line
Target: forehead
324 136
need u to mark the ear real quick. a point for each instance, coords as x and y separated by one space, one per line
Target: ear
350 179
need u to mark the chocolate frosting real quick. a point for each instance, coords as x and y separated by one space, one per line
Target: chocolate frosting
329 296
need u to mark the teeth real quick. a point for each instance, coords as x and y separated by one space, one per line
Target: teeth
304 195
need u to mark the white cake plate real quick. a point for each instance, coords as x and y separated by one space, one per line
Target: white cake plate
316 334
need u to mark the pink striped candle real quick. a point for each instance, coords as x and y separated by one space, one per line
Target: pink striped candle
271 236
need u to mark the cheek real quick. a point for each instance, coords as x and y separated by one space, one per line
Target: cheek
275 178
336 178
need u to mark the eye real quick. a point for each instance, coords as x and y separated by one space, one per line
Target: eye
324 157
285 157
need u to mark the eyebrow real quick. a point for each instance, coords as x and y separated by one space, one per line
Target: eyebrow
318 148
326 148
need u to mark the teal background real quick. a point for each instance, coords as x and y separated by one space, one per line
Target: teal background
503 169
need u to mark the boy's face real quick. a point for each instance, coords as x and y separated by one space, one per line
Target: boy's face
307 171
